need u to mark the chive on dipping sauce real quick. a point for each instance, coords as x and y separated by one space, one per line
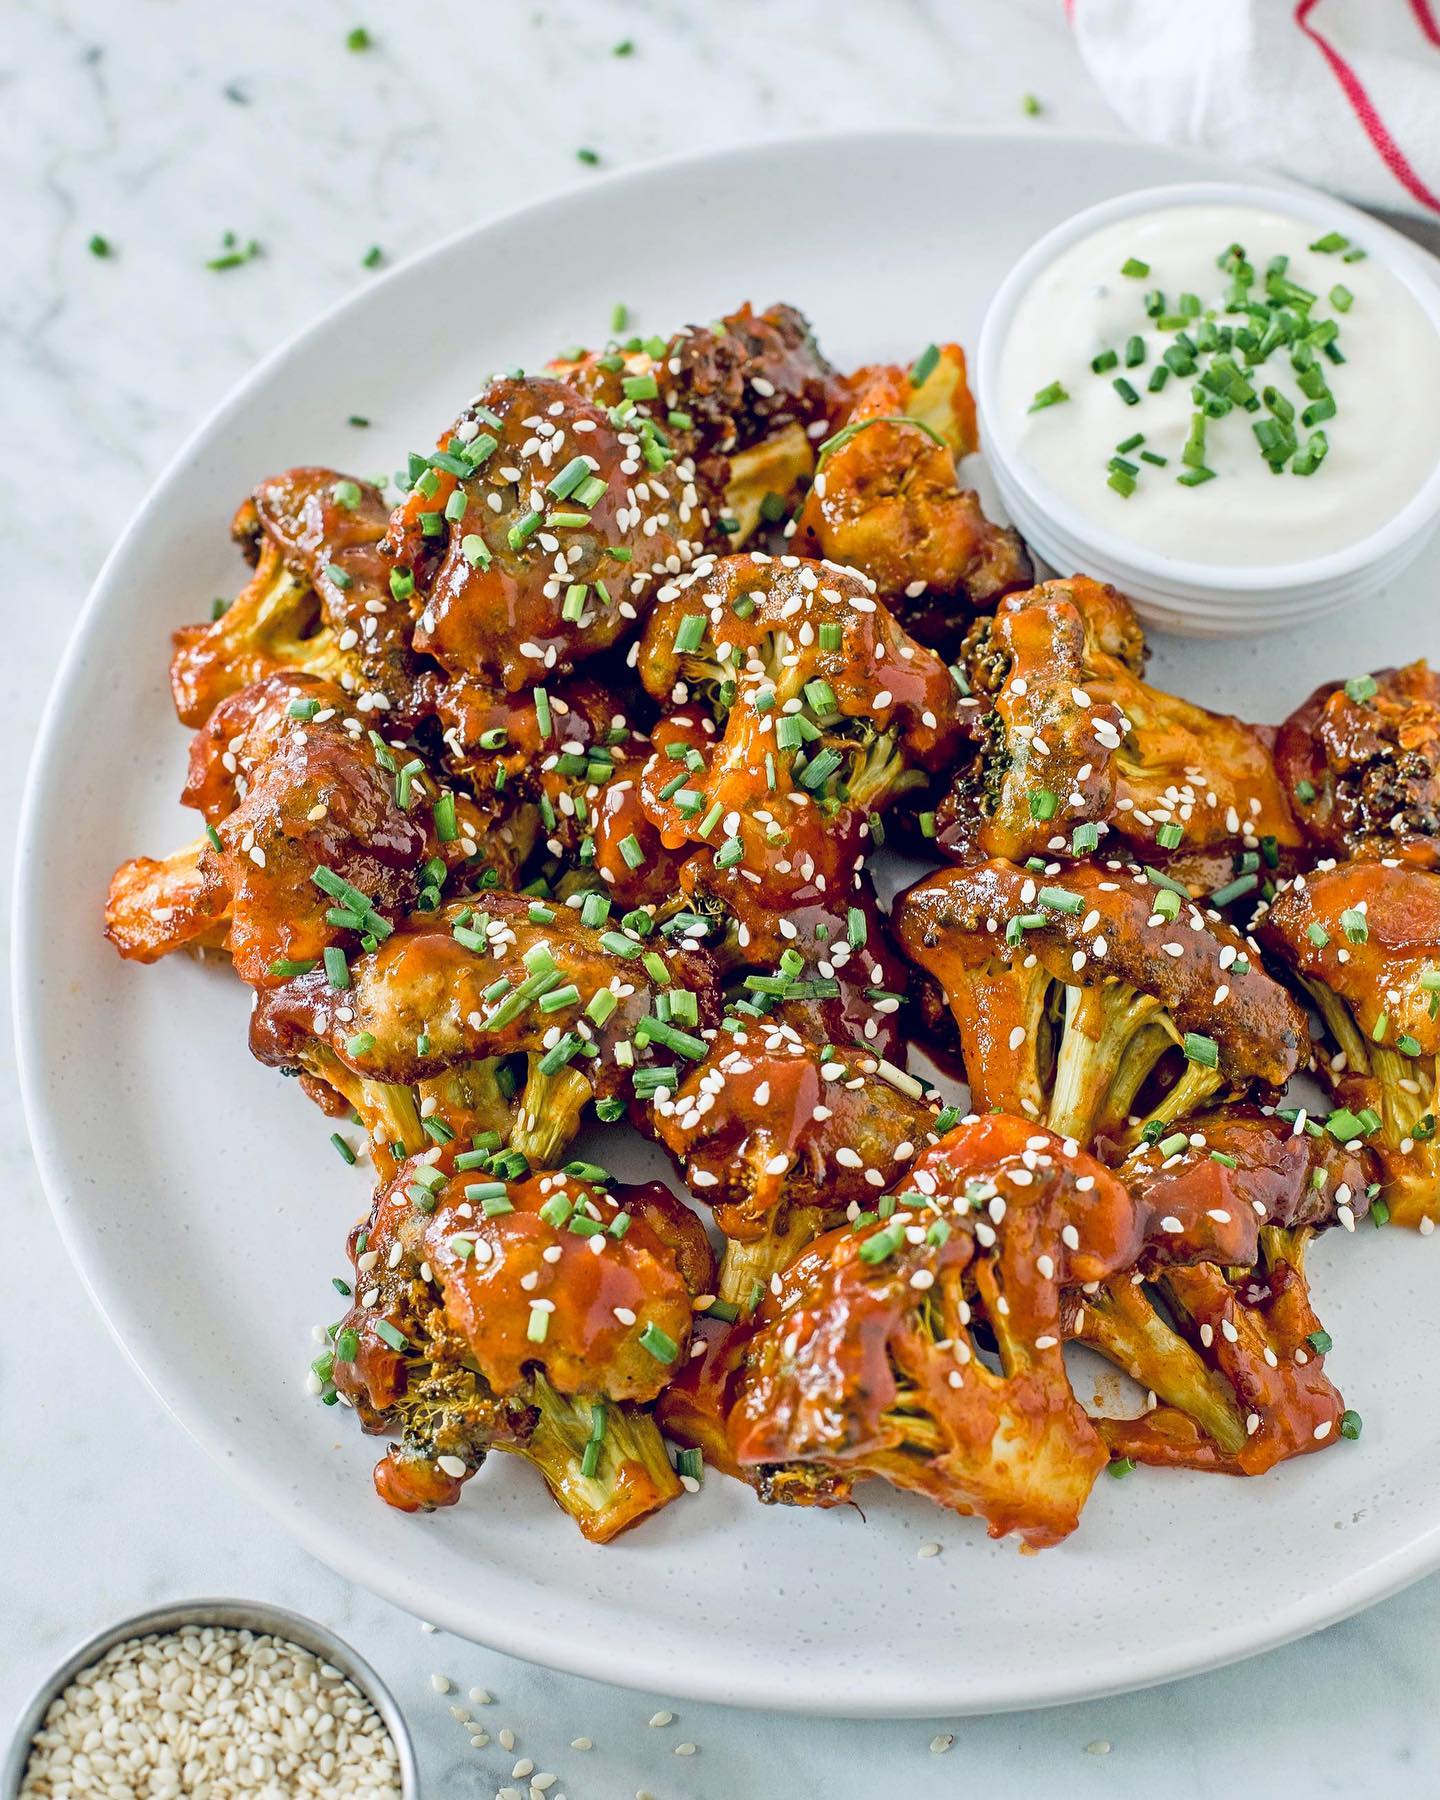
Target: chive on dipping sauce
1224 384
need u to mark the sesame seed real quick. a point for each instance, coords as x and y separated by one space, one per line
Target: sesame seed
211 1707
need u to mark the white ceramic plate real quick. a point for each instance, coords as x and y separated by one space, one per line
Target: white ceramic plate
206 1211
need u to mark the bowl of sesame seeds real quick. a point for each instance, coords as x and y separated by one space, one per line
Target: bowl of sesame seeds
219 1698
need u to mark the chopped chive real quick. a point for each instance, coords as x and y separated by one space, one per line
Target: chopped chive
690 633
659 1343
1050 395
925 365
1234 890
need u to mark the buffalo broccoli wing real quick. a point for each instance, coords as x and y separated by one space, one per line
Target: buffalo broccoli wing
744 398
320 601
540 1316
866 1363
573 755
803 710
887 500
434 1013
1363 942
538 533
333 832
1216 1320
1361 763
1077 999
1075 752
783 1138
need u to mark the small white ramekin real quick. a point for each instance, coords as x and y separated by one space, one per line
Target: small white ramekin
1200 599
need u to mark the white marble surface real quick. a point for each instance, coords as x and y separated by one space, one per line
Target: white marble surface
161 124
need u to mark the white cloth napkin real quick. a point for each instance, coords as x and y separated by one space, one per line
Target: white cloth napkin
1344 94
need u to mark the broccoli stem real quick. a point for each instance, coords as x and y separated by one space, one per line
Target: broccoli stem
1105 1035
1401 1110
1189 1095
549 1114
1121 1322
744 1267
631 1477
468 1098
1341 1026
1136 1065
878 773
387 1109
1405 1089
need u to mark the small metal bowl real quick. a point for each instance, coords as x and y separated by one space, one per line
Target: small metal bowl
235 1615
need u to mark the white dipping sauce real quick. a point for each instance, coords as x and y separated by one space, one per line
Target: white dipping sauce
1384 440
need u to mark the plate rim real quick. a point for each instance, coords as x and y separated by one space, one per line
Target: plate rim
511 1635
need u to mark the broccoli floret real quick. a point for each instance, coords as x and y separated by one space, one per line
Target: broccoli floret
1098 1003
320 602
1075 752
389 1111
1362 941
549 1114
1360 761
448 1005
606 1463
159 905
783 1139
1215 1320
479 554
865 1361
888 501
467 1338
824 710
